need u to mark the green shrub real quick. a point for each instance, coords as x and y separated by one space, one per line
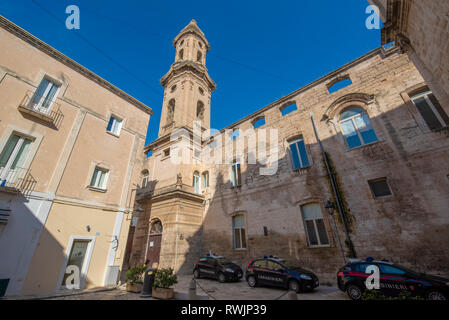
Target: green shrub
164 278
135 275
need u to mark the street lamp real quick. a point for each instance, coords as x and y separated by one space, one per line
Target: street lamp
330 207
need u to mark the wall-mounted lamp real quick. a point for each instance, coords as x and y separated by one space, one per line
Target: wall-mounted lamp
88 228
330 207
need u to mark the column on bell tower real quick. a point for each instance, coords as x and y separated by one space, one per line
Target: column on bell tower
187 85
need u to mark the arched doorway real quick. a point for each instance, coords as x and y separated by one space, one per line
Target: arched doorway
154 242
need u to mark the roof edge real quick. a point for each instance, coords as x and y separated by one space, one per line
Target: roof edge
14 29
378 51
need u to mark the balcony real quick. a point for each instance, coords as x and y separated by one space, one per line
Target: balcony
41 107
179 189
16 180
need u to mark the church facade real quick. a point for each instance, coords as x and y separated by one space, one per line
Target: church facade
316 177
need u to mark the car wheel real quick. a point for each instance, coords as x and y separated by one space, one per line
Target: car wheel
196 274
252 282
221 277
435 295
354 292
294 286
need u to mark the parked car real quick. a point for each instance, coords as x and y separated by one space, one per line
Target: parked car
217 267
394 279
272 271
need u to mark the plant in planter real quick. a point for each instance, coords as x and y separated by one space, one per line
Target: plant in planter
135 279
163 280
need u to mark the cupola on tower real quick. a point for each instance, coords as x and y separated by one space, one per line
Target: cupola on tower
187 85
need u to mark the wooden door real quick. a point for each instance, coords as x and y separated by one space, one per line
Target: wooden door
154 249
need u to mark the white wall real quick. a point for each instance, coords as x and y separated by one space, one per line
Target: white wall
19 237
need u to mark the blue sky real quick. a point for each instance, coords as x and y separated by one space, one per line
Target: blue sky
260 50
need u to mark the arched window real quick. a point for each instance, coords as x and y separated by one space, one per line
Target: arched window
288 108
259 122
171 111
145 176
156 227
356 127
181 54
196 182
339 84
199 56
200 110
235 134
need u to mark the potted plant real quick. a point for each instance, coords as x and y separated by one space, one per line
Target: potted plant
135 279
163 280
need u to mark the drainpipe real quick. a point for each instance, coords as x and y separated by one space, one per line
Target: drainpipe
335 191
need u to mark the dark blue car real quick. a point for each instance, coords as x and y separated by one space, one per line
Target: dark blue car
393 279
272 271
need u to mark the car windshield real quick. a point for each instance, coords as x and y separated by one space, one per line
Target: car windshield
223 261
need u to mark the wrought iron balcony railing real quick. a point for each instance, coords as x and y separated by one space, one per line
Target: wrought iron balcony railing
17 179
40 106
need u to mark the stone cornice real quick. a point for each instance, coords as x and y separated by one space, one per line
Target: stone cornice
188 66
396 16
55 54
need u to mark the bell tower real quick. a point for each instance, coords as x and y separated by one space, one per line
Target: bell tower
187 85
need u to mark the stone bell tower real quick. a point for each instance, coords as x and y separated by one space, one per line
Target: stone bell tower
187 85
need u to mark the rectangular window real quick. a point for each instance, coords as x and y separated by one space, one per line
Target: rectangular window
99 179
236 178
205 179
430 109
166 152
44 96
380 188
238 226
314 225
15 151
298 153
196 183
114 125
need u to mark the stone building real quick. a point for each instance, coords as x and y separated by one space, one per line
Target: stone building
384 136
70 153
421 29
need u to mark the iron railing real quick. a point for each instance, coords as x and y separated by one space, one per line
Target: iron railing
18 179
41 105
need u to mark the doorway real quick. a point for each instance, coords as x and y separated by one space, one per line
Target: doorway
78 254
154 243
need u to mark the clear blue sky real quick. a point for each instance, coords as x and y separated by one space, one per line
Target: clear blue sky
260 50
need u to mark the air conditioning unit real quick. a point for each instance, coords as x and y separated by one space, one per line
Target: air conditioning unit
111 276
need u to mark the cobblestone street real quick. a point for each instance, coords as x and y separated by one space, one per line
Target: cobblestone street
220 291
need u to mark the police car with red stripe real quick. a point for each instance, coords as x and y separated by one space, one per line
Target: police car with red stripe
273 271
390 280
217 267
